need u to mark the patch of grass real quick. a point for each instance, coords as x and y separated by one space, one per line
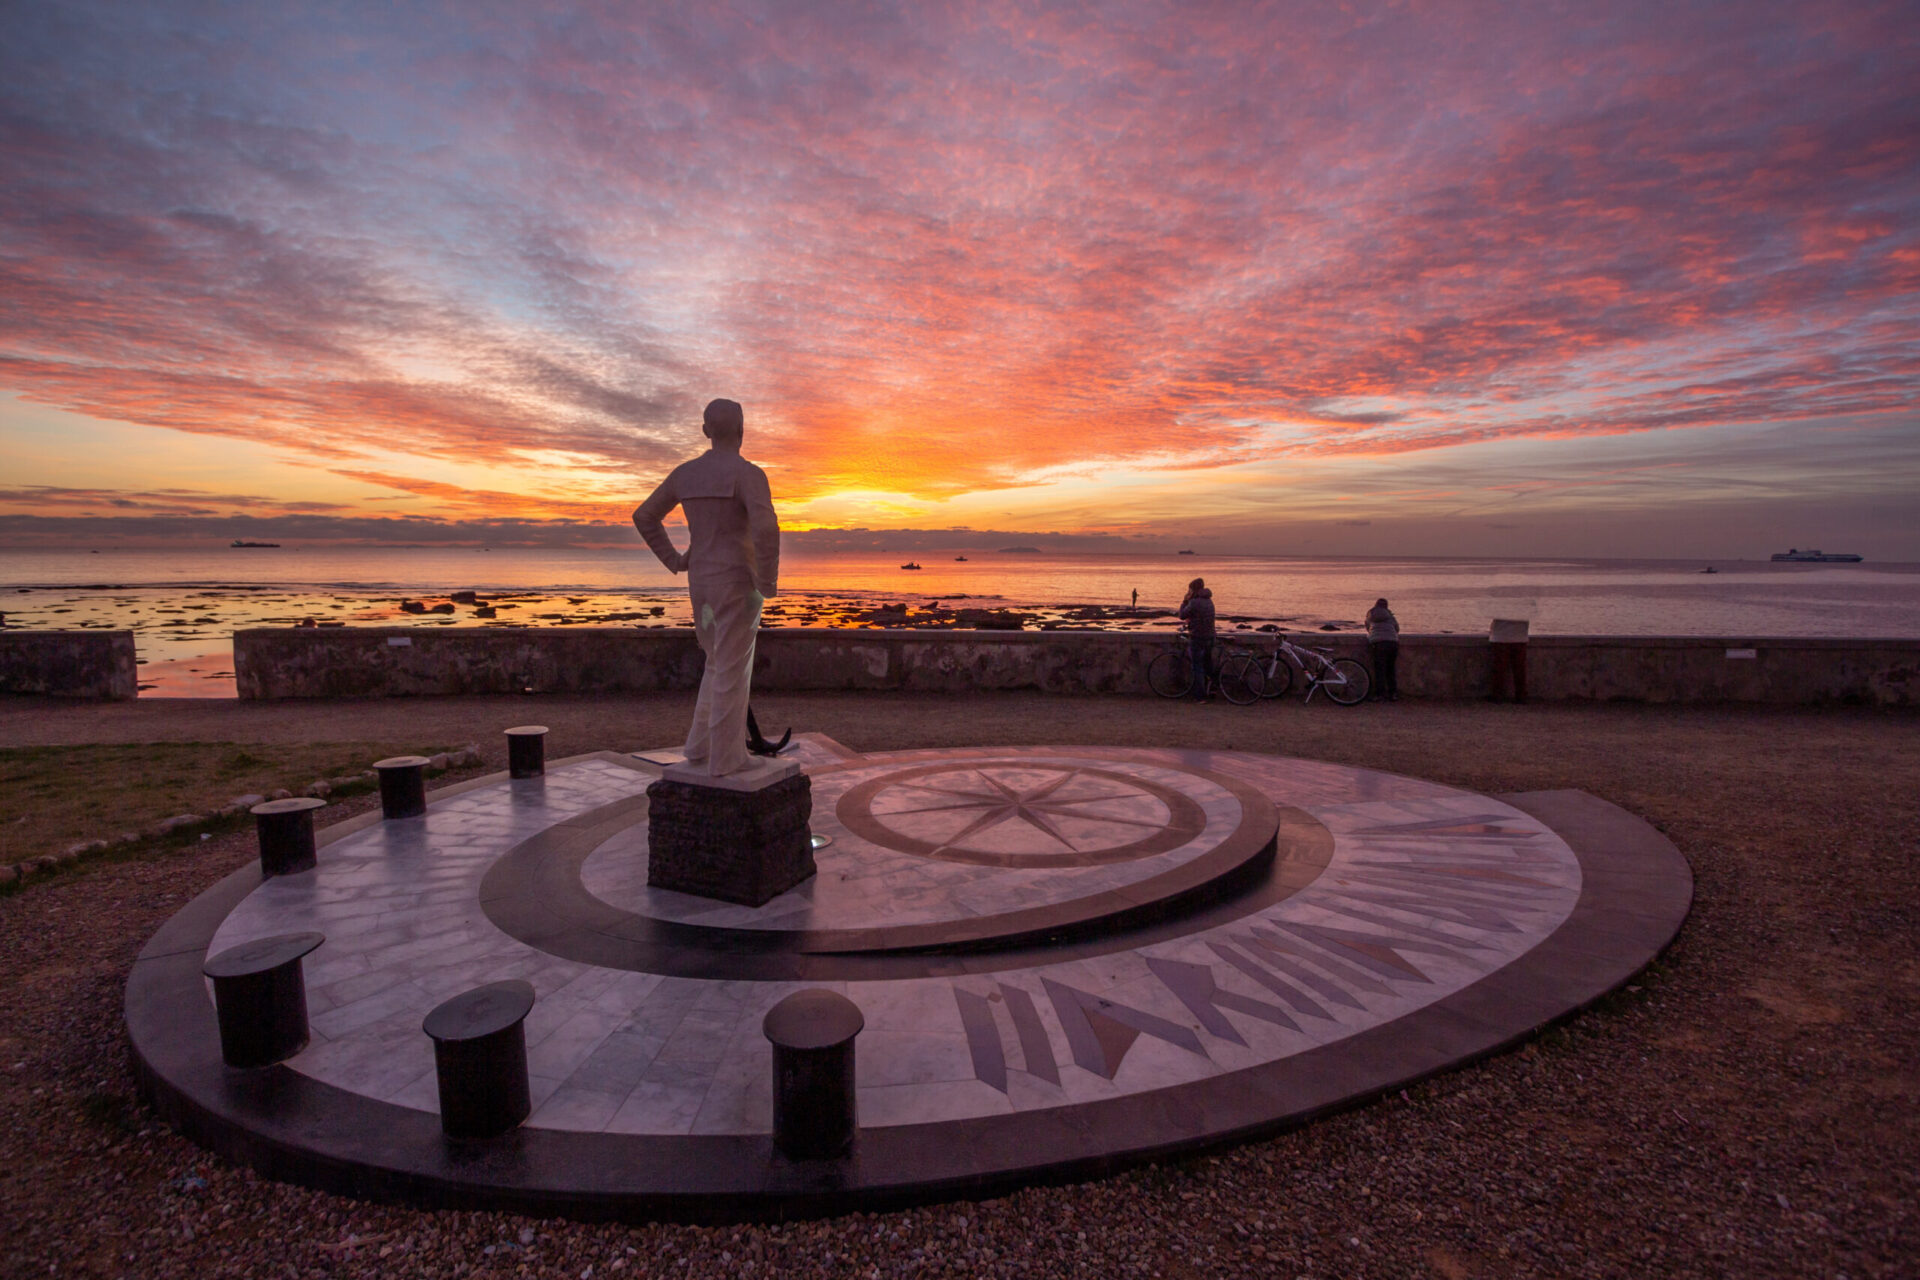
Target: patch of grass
51 797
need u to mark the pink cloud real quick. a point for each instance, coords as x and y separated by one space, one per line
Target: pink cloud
939 250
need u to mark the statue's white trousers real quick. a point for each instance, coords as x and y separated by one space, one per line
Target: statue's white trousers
726 618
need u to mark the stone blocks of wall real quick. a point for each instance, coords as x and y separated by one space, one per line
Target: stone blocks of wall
957 661
366 662
1792 671
69 664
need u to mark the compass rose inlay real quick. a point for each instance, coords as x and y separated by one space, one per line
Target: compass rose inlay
1022 814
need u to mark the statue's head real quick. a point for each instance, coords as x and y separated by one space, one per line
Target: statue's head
723 420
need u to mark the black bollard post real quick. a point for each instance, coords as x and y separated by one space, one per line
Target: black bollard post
260 998
480 1059
285 832
403 786
813 1084
527 750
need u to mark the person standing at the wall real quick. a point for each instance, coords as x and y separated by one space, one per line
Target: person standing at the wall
1196 610
1383 647
1508 641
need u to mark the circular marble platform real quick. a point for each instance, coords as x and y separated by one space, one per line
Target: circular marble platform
1068 959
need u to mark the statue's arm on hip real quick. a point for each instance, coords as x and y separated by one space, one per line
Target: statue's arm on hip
649 518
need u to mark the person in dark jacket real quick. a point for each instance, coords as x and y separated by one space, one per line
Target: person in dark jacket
1196 610
1383 646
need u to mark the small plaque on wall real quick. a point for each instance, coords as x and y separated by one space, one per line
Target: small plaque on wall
1743 653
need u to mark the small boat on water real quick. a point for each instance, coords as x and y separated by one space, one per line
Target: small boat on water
242 542
1817 557
1183 553
910 565
959 559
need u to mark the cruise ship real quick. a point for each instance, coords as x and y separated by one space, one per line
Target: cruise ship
1818 557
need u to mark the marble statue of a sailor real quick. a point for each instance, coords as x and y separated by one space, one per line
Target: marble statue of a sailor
732 565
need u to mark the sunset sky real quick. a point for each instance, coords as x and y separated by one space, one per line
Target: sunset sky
1374 278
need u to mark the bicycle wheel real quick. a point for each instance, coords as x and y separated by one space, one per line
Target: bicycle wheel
1348 683
1276 677
1240 679
1170 675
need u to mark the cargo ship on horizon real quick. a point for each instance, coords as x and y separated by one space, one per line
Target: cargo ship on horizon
1817 557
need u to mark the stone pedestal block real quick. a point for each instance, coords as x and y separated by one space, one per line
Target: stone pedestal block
527 751
260 998
480 1059
742 838
403 786
814 1112
285 829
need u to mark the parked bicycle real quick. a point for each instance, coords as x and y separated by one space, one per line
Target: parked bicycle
1170 674
1344 680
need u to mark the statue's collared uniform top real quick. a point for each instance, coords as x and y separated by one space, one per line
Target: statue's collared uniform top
732 530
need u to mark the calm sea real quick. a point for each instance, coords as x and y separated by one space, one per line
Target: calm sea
183 604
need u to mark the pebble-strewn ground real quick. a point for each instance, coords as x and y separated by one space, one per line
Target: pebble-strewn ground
1750 1110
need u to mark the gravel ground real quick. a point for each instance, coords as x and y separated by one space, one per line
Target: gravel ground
1748 1110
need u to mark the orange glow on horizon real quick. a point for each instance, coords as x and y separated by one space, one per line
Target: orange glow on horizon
1067 269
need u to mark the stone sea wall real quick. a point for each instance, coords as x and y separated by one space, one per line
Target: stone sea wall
73 664
399 661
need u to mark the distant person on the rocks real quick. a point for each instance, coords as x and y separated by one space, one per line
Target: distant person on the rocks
732 563
1196 610
1383 646
1507 639
1136 599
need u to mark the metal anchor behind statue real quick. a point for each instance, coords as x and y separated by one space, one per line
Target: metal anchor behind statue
758 745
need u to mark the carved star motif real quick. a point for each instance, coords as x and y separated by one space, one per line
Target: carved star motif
993 802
